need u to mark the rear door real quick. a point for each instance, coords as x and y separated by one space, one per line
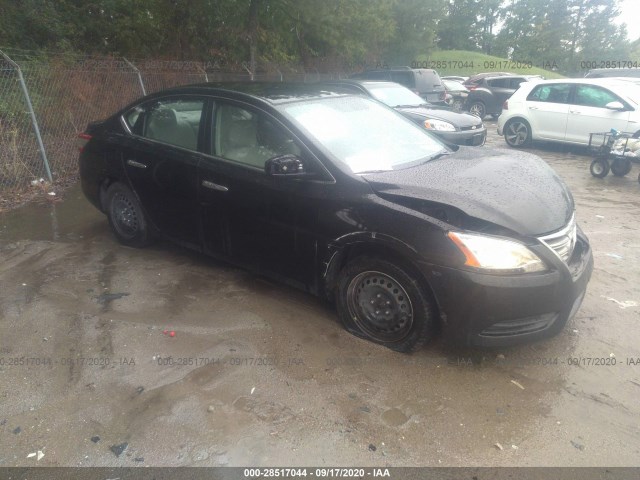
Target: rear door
588 113
501 89
160 159
547 109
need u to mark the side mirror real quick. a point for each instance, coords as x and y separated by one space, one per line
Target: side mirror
285 166
615 106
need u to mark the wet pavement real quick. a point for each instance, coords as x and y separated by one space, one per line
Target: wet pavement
256 373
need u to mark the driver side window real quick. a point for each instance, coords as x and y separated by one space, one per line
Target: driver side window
250 138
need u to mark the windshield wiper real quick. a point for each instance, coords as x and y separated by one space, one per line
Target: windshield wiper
410 106
438 155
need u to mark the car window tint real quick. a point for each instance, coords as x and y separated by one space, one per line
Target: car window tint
404 78
515 82
591 96
133 119
250 138
554 93
174 121
498 82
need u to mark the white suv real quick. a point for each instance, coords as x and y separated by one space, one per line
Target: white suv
568 110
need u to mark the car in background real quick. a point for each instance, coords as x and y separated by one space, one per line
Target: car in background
423 81
474 80
457 94
487 95
455 78
342 197
452 127
568 110
613 72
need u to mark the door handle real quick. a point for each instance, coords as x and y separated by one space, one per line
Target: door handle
533 108
214 186
133 163
575 111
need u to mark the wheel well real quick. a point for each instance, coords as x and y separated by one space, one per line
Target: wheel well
104 186
359 249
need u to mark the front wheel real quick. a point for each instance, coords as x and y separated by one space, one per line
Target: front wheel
517 133
457 105
599 168
620 167
478 109
127 220
385 303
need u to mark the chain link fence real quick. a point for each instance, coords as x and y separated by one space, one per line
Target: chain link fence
46 101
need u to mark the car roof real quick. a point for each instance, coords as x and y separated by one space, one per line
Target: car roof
270 92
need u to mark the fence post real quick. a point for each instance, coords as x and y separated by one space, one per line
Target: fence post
34 120
244 65
144 92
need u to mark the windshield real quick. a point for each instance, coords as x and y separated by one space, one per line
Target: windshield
363 134
394 95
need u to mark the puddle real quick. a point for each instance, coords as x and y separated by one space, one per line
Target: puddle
70 220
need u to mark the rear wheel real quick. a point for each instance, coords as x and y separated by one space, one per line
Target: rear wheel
517 133
478 109
127 220
620 167
599 168
385 303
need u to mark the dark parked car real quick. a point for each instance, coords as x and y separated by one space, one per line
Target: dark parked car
487 95
423 81
452 127
457 94
345 198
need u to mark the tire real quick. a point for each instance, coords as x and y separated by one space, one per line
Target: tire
457 105
517 133
366 286
127 220
620 167
478 109
599 168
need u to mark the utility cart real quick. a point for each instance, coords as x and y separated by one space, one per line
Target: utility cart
613 151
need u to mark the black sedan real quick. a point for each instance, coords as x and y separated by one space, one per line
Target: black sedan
452 127
344 197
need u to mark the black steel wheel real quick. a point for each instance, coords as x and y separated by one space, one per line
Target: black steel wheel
127 220
517 133
620 167
382 302
478 109
599 168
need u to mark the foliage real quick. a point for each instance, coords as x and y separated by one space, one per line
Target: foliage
321 35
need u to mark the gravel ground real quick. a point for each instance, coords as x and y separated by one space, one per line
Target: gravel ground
260 374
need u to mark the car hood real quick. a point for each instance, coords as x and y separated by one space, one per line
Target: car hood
512 189
458 119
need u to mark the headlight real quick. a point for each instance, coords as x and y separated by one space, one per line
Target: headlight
431 124
496 255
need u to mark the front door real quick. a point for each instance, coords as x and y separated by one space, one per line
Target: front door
588 113
265 223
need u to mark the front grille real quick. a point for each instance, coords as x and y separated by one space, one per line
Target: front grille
520 326
472 127
563 241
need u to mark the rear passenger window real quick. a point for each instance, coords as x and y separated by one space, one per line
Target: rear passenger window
555 93
404 78
174 121
499 82
250 138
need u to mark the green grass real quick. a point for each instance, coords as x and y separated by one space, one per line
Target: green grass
460 62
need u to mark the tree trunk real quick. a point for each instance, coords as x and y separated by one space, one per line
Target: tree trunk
252 34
